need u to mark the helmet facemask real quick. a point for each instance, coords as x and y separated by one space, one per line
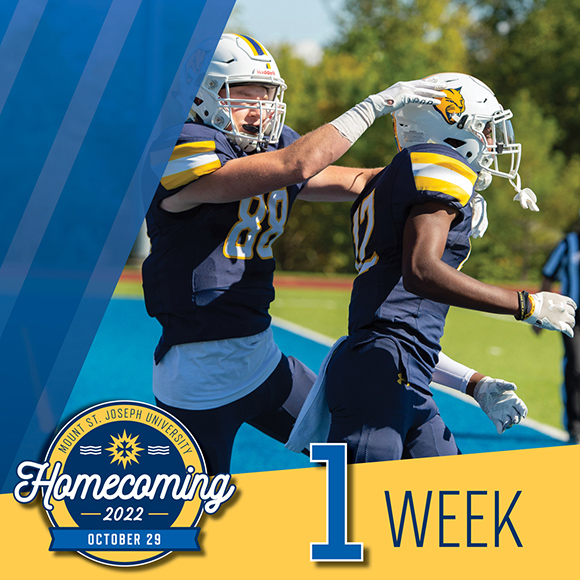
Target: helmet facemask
499 154
271 113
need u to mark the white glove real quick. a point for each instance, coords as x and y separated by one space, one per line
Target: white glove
552 311
357 120
479 220
498 401
400 94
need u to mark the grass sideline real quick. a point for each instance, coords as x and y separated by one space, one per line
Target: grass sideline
498 346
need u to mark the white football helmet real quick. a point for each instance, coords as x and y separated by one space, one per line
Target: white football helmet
472 121
241 60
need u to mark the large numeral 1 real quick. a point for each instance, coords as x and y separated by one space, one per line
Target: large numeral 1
336 548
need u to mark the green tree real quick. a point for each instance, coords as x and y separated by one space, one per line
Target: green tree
525 49
405 38
534 45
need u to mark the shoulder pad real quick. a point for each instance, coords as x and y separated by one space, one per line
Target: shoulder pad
439 168
195 154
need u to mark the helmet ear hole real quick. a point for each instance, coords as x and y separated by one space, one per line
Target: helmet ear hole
455 143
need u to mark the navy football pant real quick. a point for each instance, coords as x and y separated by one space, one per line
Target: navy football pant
271 408
377 417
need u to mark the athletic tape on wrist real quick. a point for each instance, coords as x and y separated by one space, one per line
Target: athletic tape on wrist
354 122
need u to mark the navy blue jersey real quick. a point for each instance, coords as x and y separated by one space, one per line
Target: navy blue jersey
210 272
380 305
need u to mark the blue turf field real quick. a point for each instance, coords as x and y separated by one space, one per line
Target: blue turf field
119 367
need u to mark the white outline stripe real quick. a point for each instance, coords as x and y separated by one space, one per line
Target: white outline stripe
429 170
187 163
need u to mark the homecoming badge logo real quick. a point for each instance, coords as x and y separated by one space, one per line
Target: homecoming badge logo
124 484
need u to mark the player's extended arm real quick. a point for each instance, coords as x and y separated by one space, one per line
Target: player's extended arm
306 157
496 397
425 274
337 183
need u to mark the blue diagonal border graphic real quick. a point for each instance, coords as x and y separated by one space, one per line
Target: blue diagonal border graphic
82 168
19 34
63 153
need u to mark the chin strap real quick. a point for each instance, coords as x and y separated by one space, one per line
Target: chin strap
526 196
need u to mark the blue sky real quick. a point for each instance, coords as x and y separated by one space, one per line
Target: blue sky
306 24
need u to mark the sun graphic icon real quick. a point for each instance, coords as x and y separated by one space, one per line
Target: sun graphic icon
124 449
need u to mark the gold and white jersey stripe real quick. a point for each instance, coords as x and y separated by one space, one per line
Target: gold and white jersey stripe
436 172
188 162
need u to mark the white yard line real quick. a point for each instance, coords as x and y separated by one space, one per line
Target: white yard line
303 331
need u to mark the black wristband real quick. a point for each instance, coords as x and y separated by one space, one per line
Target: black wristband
524 306
530 305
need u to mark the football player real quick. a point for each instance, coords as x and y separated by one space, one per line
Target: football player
222 202
411 229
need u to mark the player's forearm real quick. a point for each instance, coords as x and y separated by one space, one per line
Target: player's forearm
315 151
453 374
440 282
337 184
425 274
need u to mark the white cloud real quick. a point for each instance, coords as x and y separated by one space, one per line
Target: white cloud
309 51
